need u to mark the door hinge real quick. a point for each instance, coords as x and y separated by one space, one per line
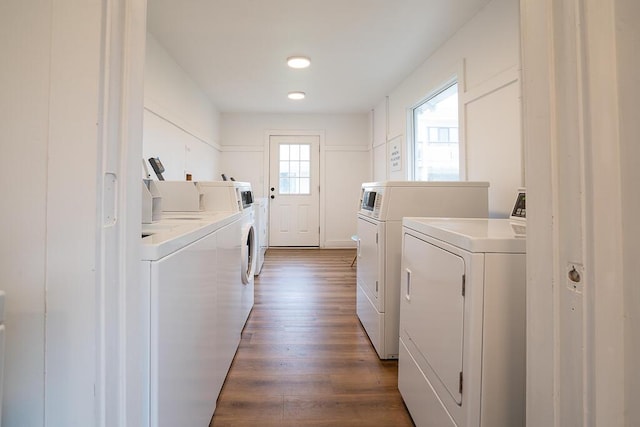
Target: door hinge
376 238
464 284
460 386
376 286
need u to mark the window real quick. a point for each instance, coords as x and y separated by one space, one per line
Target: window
436 145
295 169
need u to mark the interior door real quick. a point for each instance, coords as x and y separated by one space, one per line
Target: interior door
294 190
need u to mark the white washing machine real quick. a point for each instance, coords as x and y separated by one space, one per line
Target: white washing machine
198 262
188 200
379 237
235 196
193 317
462 321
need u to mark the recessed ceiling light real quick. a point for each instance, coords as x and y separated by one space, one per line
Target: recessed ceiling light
296 95
298 62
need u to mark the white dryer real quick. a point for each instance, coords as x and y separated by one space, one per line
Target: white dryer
462 321
379 237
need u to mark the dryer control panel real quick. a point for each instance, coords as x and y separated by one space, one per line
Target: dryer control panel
371 200
393 200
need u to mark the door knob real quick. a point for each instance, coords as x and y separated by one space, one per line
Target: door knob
273 189
273 197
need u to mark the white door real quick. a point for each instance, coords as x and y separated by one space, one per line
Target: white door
432 308
294 190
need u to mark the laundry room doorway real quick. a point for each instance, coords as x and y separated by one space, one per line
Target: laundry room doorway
294 190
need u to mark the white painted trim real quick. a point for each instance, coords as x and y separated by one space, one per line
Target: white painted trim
120 347
499 81
132 304
347 148
339 244
378 145
604 323
260 149
576 370
241 149
323 190
450 79
538 100
463 168
165 114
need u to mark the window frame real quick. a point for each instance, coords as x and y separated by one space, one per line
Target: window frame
299 160
411 128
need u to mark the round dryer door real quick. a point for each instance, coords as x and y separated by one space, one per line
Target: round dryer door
248 253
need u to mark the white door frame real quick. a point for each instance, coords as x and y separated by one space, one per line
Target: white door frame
265 158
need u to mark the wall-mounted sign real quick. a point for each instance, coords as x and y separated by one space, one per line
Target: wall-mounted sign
395 154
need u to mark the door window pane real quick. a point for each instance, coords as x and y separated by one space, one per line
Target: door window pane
295 169
294 152
436 154
304 169
284 168
305 151
284 152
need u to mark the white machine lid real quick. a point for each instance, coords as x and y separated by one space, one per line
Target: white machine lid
178 230
473 234
1 307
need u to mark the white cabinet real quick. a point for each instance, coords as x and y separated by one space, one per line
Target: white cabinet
462 323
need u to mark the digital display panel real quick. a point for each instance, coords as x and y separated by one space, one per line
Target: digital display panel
369 200
520 209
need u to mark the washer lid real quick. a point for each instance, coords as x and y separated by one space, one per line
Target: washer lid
473 234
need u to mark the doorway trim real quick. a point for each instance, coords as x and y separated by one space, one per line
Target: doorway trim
265 159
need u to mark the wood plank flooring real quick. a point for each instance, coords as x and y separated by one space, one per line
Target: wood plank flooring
304 359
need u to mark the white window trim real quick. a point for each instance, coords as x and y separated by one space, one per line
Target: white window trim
453 79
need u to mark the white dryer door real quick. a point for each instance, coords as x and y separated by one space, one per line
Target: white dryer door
433 309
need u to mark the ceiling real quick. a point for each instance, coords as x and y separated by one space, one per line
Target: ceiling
236 50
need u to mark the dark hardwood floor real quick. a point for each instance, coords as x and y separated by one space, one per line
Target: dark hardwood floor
304 359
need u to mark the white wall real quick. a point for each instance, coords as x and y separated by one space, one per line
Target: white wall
485 57
60 141
181 125
25 80
344 162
